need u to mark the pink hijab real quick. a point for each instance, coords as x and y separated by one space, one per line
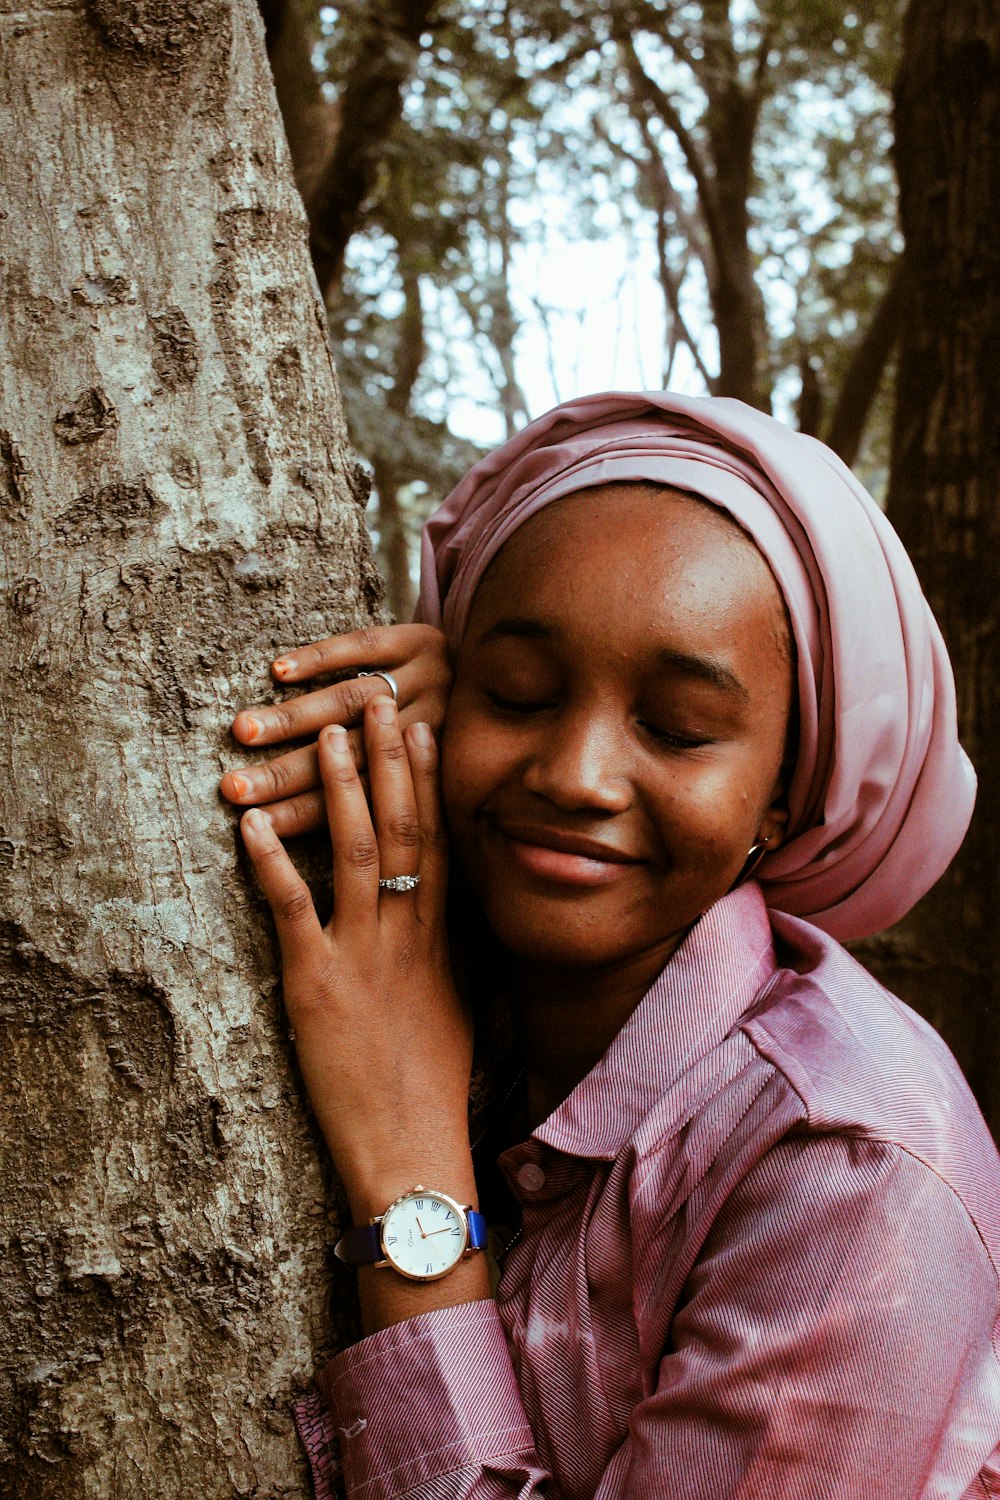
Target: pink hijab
882 792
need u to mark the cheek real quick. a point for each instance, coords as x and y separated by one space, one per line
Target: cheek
471 761
707 810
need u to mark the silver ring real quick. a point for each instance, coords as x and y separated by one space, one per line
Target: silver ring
399 882
386 677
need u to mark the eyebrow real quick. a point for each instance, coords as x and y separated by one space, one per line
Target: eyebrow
703 668
520 627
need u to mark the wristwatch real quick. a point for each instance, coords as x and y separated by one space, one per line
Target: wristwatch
423 1235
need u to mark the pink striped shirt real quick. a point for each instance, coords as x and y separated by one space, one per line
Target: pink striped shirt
760 1259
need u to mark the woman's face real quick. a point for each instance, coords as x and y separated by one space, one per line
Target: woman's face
616 729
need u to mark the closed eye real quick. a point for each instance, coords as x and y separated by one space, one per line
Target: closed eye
518 705
673 741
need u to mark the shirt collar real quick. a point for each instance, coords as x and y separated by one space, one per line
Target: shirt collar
695 1001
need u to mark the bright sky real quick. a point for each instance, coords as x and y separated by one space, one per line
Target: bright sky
604 330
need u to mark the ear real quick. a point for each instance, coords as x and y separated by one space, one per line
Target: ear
774 823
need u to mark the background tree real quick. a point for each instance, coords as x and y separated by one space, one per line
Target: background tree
742 154
945 491
759 140
177 502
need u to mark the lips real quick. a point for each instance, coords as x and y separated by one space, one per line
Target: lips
557 855
546 837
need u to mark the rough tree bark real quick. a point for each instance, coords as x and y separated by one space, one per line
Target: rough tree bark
176 504
945 491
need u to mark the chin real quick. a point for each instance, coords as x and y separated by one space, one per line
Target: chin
546 951
554 939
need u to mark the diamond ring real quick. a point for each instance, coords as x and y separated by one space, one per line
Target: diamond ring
399 883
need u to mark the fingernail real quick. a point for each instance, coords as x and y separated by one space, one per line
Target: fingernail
384 710
422 735
284 666
240 785
256 820
336 738
252 728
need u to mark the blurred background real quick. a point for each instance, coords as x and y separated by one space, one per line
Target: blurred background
794 202
512 204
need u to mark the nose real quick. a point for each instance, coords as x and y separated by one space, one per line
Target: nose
581 764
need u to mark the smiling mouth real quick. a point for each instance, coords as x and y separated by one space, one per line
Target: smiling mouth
567 858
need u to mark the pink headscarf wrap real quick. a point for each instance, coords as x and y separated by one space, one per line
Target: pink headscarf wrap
882 792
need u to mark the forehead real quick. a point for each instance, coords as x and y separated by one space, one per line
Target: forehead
622 578
628 533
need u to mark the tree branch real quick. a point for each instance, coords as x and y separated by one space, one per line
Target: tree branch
760 63
648 90
309 118
663 194
864 373
371 103
667 28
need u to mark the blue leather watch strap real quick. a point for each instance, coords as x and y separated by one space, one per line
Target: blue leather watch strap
478 1233
362 1245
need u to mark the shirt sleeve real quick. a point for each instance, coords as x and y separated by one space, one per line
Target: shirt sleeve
835 1339
429 1407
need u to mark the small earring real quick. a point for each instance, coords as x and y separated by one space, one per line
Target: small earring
753 859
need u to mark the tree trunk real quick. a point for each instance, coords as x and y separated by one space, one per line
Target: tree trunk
175 505
393 539
369 107
722 169
389 475
866 371
945 491
310 120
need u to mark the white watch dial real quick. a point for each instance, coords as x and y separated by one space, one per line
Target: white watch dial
424 1234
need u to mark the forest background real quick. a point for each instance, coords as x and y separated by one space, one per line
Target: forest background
727 174
787 200
511 204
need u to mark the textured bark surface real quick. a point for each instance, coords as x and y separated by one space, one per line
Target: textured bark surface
945 491
175 505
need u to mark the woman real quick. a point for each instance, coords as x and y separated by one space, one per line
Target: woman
702 726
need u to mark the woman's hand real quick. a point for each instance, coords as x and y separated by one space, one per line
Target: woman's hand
290 784
384 1044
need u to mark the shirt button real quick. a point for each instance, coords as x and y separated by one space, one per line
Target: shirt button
531 1177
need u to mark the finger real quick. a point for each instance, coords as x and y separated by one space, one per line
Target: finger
374 646
286 776
340 703
287 893
424 768
390 782
298 815
352 837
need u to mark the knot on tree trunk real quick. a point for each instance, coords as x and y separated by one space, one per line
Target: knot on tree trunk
166 32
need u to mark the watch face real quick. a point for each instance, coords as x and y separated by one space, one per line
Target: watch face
424 1234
